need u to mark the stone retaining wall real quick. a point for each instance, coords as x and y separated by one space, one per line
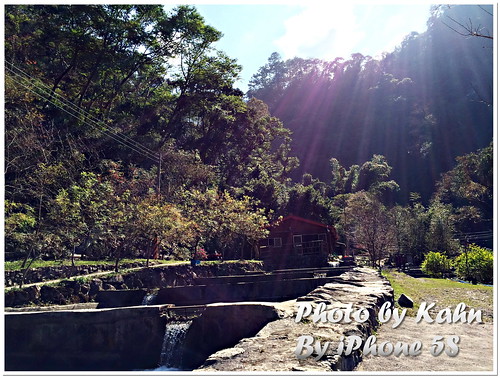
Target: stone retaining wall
15 277
84 291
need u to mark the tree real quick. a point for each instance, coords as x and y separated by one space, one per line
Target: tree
415 229
344 180
469 188
308 201
436 264
19 226
468 28
218 217
373 176
371 226
441 232
475 264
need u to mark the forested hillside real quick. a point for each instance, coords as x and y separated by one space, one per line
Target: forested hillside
420 106
125 136
108 107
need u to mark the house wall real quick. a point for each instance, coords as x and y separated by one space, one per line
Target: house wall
285 255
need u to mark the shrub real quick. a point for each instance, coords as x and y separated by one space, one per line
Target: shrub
435 264
201 254
475 264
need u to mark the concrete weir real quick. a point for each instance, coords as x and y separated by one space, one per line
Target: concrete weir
129 338
97 339
220 336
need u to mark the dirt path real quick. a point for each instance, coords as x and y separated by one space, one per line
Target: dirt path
476 350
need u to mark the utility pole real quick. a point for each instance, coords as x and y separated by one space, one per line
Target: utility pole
159 174
467 256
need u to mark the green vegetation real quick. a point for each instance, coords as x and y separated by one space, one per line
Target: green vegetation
17 264
443 292
475 264
126 138
436 264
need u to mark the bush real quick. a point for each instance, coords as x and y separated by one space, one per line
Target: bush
475 265
201 254
435 264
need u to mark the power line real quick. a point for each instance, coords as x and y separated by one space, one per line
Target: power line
80 113
130 143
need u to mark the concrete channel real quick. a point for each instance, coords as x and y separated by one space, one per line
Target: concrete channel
121 334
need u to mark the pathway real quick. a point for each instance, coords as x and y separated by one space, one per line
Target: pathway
476 351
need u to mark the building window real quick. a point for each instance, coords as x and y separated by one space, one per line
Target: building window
313 237
309 244
297 240
322 237
274 242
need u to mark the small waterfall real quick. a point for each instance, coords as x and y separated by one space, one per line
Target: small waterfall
171 351
149 299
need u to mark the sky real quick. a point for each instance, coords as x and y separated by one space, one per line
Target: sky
324 30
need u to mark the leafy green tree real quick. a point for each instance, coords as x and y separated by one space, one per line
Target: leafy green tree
219 216
475 264
344 180
160 226
436 264
19 225
373 176
441 232
469 188
308 202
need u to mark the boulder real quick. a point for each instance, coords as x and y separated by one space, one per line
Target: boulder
49 294
108 286
405 301
95 286
33 293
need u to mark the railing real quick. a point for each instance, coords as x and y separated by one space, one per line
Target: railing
315 247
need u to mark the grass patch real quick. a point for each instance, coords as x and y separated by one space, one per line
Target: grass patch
443 292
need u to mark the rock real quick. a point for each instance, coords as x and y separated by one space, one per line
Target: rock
95 286
84 289
132 281
107 286
22 297
83 298
10 297
405 301
49 294
223 355
72 284
33 293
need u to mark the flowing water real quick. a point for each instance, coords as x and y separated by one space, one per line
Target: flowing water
149 299
171 354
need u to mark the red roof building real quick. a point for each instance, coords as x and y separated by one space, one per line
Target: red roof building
298 242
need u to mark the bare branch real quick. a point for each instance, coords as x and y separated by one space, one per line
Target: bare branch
468 30
491 14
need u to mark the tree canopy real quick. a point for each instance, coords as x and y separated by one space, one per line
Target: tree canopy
125 135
